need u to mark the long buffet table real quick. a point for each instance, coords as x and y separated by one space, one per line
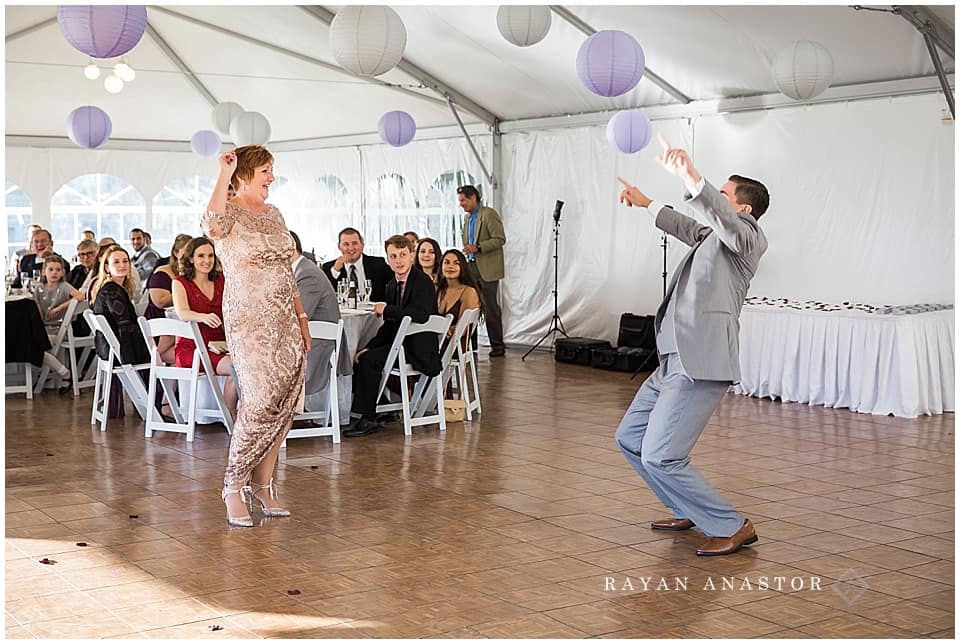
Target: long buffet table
867 362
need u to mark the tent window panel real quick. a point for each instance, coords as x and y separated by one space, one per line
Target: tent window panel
392 209
177 209
19 216
316 210
445 216
108 205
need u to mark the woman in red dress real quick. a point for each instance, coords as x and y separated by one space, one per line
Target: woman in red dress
198 297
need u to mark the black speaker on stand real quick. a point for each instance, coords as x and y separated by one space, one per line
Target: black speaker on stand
663 276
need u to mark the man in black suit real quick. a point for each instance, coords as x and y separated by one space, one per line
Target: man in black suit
353 263
41 247
410 293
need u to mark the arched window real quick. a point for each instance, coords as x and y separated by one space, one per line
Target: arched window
444 216
19 216
316 211
177 209
392 209
105 204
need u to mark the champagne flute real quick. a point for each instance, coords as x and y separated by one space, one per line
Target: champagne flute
342 291
367 290
25 280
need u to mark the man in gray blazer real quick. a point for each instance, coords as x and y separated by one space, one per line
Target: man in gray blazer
320 304
698 329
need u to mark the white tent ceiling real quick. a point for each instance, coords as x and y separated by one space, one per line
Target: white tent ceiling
707 52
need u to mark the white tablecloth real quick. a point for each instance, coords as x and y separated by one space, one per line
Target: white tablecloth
876 364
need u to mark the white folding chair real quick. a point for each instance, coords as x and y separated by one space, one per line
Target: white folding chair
397 365
188 379
126 373
141 304
329 332
27 386
56 342
65 341
456 360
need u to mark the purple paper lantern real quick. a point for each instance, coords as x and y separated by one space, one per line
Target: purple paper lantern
396 128
89 126
205 143
629 131
102 31
610 63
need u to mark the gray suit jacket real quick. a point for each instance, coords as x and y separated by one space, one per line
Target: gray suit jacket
711 283
320 304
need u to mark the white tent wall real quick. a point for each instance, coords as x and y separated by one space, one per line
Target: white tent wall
862 209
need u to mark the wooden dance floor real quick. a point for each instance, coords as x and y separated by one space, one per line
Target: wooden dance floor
525 523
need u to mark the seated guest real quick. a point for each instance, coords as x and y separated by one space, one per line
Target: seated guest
409 293
85 270
144 258
41 246
53 295
353 264
198 297
412 236
427 258
320 304
457 289
160 295
113 291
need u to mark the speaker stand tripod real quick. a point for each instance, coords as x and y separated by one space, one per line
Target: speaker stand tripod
556 324
663 245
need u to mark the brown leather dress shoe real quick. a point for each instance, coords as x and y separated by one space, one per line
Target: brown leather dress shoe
674 525
728 545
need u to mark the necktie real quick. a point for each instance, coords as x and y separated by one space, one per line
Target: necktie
353 275
400 290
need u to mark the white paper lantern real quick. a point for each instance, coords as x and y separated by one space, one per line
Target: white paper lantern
368 40
523 25
803 69
250 128
223 115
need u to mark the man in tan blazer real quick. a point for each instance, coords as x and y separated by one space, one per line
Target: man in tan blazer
483 240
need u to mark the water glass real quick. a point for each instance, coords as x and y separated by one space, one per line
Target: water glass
367 290
342 288
25 278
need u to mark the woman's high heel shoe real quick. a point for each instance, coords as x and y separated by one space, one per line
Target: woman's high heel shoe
272 491
244 492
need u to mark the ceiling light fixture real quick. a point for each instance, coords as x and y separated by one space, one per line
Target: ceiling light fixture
124 71
91 71
113 84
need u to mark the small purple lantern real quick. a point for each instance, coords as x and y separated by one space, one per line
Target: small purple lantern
205 143
102 31
610 63
396 128
89 126
629 131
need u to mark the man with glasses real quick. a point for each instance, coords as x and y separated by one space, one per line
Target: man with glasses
41 247
483 240
84 271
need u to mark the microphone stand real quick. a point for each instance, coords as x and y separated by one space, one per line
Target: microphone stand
663 245
556 324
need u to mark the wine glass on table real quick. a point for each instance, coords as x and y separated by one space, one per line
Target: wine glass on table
367 290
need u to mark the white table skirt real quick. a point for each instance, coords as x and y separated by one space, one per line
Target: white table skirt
876 364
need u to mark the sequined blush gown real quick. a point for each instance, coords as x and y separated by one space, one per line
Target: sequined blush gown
262 330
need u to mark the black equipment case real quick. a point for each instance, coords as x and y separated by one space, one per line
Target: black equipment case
577 350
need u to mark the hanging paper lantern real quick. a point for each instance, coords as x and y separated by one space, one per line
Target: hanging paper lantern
610 63
803 69
250 128
102 31
629 131
205 143
367 40
523 25
223 115
396 128
89 126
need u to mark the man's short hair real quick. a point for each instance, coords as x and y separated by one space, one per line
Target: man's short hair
296 241
137 230
87 244
398 241
42 231
751 192
412 233
468 191
348 231
148 237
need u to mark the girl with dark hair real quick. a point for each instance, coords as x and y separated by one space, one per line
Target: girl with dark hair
427 258
198 297
457 289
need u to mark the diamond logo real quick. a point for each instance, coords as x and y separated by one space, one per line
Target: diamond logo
850 586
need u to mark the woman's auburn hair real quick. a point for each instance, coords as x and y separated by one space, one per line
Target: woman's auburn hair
249 158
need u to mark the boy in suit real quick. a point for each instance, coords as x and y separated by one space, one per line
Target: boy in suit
410 292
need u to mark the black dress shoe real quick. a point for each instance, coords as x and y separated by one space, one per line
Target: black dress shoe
388 417
497 353
361 427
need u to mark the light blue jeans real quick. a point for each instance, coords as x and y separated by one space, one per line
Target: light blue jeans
661 426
